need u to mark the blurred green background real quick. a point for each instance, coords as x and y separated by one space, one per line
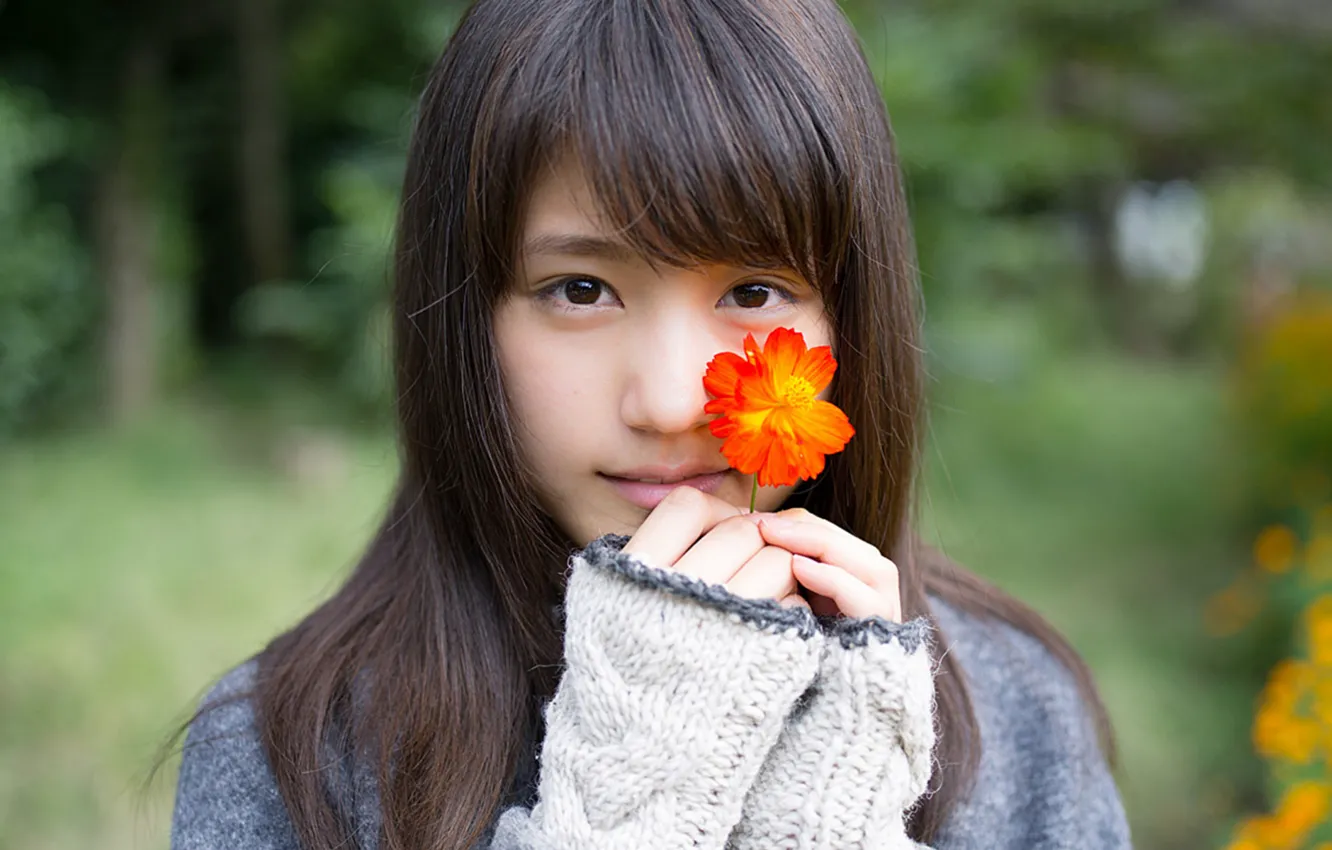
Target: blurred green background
1124 212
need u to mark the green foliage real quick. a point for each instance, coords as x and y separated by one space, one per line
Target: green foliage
46 302
354 77
1021 122
979 137
340 317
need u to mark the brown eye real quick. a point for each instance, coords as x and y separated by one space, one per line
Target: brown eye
751 295
582 291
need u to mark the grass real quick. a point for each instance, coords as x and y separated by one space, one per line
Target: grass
137 567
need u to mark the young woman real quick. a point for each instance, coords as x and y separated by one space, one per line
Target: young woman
569 632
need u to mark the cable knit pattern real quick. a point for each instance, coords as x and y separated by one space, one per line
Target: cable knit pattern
856 754
668 705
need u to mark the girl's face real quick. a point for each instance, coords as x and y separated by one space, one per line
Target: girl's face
603 361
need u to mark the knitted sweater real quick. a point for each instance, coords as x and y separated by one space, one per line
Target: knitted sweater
688 717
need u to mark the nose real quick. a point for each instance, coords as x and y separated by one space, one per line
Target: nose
664 391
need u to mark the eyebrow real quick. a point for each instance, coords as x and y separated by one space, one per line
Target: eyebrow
579 245
600 247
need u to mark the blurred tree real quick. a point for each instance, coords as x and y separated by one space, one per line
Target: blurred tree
263 162
45 305
232 110
1022 124
108 65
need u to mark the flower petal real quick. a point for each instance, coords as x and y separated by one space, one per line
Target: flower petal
724 371
817 366
748 452
770 426
757 392
722 426
823 428
780 469
753 353
765 456
782 350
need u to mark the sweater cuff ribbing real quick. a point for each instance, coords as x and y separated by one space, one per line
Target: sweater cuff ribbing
606 553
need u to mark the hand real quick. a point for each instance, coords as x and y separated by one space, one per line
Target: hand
712 540
843 573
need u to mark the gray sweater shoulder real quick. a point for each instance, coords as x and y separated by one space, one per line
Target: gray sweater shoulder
1043 780
227 795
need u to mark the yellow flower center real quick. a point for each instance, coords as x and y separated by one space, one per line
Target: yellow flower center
797 392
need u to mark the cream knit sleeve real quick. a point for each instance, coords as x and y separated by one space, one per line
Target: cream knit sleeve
856 754
672 695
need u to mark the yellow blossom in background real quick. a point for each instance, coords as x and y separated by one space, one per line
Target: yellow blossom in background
1292 726
1290 679
1304 806
1292 739
1274 550
1318 628
1265 831
1278 730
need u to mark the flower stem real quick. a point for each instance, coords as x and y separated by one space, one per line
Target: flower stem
753 494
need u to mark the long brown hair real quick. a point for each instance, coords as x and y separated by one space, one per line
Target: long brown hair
746 131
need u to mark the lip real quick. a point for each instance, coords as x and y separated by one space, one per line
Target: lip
648 494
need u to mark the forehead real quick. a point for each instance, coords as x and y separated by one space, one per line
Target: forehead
563 219
561 192
561 203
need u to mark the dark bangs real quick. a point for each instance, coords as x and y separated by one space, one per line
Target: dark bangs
699 137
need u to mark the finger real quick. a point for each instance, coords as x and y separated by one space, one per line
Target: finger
675 524
795 600
719 554
805 534
854 598
767 575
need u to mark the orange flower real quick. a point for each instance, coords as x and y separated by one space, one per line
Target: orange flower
771 420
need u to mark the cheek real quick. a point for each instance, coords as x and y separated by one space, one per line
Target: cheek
818 328
550 391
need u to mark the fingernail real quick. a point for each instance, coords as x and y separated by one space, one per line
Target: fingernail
776 523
